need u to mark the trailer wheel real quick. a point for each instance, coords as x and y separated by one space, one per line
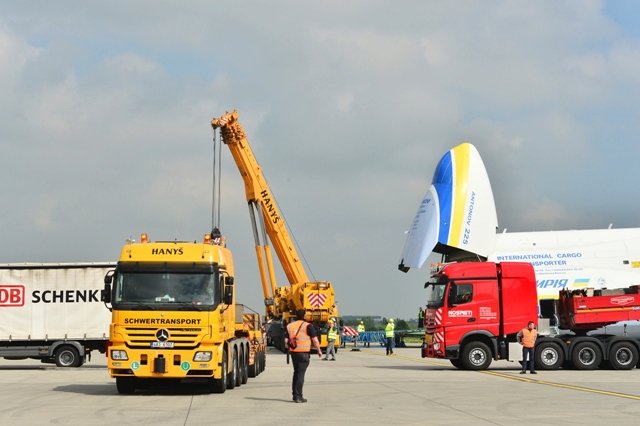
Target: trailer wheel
233 377
126 385
623 356
586 356
476 356
220 385
67 356
263 361
549 356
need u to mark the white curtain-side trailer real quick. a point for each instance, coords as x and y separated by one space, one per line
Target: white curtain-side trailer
53 311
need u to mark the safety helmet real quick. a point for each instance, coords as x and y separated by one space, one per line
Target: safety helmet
390 319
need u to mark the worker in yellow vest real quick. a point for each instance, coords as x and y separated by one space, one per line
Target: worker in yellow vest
300 335
361 331
389 333
527 338
332 336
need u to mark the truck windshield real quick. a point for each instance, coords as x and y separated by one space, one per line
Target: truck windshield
151 290
435 294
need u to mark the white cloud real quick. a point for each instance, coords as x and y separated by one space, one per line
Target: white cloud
348 107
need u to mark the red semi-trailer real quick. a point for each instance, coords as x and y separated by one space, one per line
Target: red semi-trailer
475 310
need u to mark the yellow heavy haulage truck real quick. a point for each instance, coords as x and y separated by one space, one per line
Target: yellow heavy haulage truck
174 316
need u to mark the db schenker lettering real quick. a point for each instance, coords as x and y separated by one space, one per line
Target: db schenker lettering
65 296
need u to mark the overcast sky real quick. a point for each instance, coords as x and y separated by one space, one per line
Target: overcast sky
348 105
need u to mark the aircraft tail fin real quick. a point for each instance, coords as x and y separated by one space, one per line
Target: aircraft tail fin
457 216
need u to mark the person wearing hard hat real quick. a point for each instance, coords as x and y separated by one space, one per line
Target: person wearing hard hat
389 333
332 335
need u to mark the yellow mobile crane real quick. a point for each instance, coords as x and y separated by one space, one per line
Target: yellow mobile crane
316 297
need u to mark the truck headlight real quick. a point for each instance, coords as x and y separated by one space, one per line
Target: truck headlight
436 346
119 355
202 356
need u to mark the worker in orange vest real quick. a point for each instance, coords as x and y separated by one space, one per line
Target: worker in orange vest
527 338
300 335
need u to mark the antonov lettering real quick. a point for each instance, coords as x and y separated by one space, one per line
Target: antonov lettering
472 203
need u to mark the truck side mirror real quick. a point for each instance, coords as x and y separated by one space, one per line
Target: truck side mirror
106 293
228 294
228 290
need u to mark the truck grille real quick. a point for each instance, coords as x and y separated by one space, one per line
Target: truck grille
430 324
182 338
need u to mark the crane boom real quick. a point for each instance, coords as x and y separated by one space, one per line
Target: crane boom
316 297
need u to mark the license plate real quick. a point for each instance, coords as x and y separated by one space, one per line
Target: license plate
161 344
428 338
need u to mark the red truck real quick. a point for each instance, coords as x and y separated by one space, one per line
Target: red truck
475 310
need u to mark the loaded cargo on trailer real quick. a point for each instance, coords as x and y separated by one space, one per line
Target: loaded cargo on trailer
475 310
53 311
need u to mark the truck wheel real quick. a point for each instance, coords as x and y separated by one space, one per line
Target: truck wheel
220 385
233 377
623 356
239 368
549 356
476 356
245 368
126 385
457 363
586 356
67 356
253 369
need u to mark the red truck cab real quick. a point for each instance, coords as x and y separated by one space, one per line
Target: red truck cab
475 308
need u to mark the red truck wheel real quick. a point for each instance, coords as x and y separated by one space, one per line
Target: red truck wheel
549 356
476 356
457 363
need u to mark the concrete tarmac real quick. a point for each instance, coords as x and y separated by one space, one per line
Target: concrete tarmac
360 388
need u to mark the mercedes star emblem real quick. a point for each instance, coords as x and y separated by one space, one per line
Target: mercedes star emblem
162 335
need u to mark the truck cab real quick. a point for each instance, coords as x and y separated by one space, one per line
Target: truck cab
475 308
174 316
